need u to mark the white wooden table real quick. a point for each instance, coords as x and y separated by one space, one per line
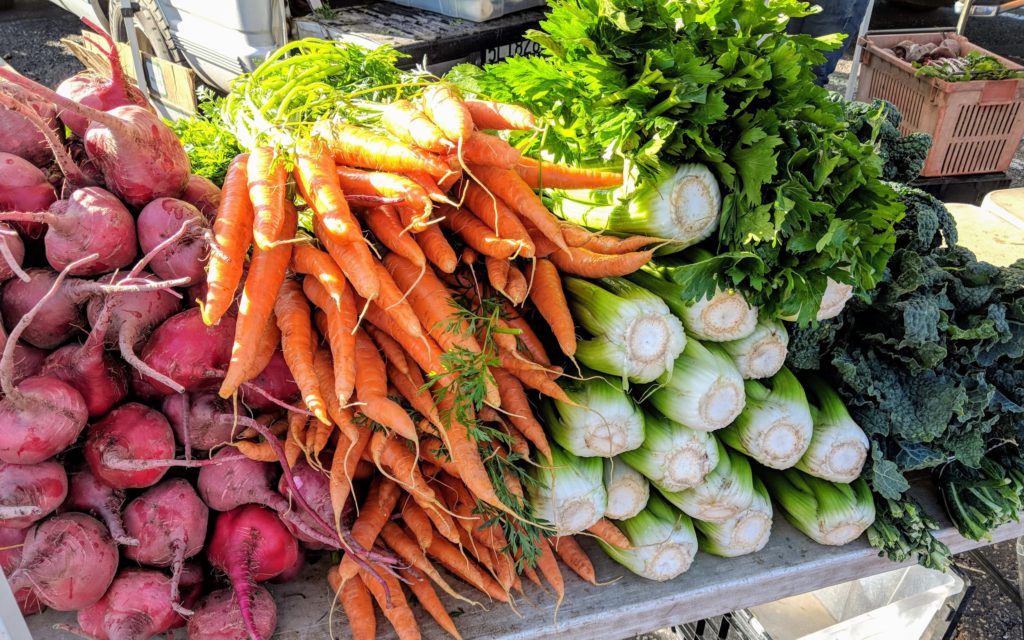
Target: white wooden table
791 564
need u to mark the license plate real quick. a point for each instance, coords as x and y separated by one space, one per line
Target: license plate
521 48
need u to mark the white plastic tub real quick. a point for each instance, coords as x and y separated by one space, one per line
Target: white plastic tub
472 10
898 604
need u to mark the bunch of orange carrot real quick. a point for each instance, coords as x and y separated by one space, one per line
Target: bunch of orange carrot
412 345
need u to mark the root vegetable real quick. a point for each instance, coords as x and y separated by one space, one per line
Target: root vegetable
170 523
118 447
68 561
250 544
96 91
276 381
219 617
23 187
62 316
186 256
194 419
136 607
11 541
228 486
315 489
203 195
91 221
30 492
17 135
187 352
140 157
101 379
91 495
42 415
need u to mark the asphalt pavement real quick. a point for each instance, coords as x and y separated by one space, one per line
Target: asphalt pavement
30 36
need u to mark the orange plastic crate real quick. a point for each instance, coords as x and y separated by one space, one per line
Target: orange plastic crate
976 126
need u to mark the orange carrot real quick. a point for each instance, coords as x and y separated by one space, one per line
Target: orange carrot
529 341
497 272
390 454
583 262
341 322
309 260
374 514
258 451
232 233
267 177
295 444
495 213
549 568
533 377
408 550
517 406
410 386
429 185
298 345
547 175
428 599
372 389
423 350
611 534
452 559
432 452
355 146
376 183
445 108
353 258
436 248
266 274
395 303
344 466
393 353
432 302
358 605
385 224
549 298
574 557
418 523
498 115
397 610
576 236
402 119
490 151
270 340
507 185
466 454
531 575
518 288
475 233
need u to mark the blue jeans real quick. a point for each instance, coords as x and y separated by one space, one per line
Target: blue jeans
837 16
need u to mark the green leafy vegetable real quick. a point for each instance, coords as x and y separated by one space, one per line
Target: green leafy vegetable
210 145
718 82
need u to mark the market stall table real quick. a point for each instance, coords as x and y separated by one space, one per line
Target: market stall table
791 564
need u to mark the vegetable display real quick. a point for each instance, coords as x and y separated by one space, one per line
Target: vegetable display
436 332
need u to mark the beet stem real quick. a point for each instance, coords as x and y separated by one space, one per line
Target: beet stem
186 437
178 547
129 355
116 70
281 403
7 360
112 460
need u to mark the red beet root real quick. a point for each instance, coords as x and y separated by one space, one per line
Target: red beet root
30 492
68 561
250 544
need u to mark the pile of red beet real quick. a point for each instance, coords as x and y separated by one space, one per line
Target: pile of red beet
120 495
